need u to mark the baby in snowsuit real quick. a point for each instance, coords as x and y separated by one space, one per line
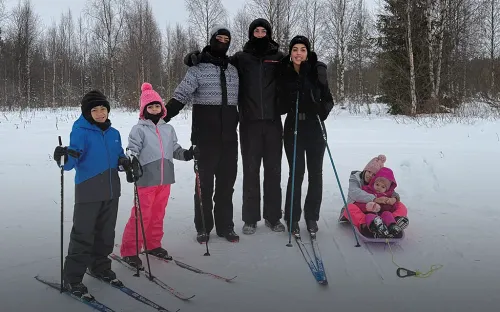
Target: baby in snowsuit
382 184
152 144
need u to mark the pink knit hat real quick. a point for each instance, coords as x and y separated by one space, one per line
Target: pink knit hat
149 96
375 164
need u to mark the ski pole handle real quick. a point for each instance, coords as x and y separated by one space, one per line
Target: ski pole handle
60 144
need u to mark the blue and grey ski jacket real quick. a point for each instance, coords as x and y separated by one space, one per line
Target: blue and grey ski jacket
96 177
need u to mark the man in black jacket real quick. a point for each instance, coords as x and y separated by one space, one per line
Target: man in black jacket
261 130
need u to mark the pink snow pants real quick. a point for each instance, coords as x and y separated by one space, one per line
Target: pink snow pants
153 201
358 217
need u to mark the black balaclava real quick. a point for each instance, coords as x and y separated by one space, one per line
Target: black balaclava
93 99
153 118
260 44
217 48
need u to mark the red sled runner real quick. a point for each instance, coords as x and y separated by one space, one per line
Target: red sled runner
342 219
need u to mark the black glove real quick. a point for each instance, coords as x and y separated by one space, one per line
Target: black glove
188 154
61 151
135 172
192 58
124 162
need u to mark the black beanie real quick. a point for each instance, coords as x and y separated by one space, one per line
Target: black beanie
93 99
260 22
299 39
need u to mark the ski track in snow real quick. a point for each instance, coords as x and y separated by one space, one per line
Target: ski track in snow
446 178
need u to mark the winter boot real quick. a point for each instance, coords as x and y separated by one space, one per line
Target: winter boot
230 235
295 228
249 228
79 290
395 230
378 227
134 261
312 226
365 231
108 276
202 237
160 253
402 222
276 226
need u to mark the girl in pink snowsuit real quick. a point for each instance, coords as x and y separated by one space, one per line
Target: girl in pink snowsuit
153 144
382 184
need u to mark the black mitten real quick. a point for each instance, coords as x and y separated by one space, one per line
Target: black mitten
124 162
192 58
61 151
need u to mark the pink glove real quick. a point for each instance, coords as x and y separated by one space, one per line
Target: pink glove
372 207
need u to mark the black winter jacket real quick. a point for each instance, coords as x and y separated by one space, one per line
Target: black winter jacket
315 97
257 95
257 98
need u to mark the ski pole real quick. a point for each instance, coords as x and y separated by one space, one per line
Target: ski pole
62 214
198 188
138 207
290 221
323 132
136 197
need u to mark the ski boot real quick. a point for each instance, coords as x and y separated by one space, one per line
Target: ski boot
79 290
134 261
395 230
160 253
108 276
402 222
202 237
312 226
249 228
230 235
378 227
276 226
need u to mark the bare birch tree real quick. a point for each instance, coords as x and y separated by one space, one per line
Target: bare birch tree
339 26
108 18
239 30
311 21
413 94
203 15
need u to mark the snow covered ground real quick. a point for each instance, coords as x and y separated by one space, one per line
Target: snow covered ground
446 174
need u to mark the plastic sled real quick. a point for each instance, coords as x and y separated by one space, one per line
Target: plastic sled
365 239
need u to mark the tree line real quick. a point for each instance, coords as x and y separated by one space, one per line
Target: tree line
418 56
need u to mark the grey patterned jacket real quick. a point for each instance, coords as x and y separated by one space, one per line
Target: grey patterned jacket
212 87
155 146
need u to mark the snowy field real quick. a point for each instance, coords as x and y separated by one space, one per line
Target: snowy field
447 176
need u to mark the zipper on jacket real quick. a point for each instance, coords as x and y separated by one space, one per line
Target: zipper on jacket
261 88
162 155
109 164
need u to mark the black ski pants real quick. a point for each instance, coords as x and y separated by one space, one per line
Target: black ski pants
219 160
310 151
261 141
91 240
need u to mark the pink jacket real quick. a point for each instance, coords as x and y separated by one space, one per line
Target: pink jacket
385 173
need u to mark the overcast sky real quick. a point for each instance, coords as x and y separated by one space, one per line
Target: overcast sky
165 11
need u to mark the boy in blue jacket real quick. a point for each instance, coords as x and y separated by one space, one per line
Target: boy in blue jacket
95 152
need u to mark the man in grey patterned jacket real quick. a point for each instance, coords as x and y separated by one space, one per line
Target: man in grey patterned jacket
212 87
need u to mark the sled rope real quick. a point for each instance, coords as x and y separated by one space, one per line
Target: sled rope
402 272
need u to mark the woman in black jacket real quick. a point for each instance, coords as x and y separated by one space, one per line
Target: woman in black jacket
302 78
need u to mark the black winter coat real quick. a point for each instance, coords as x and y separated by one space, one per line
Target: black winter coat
315 97
257 93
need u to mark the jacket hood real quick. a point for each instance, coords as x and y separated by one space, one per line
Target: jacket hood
387 173
272 47
82 122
